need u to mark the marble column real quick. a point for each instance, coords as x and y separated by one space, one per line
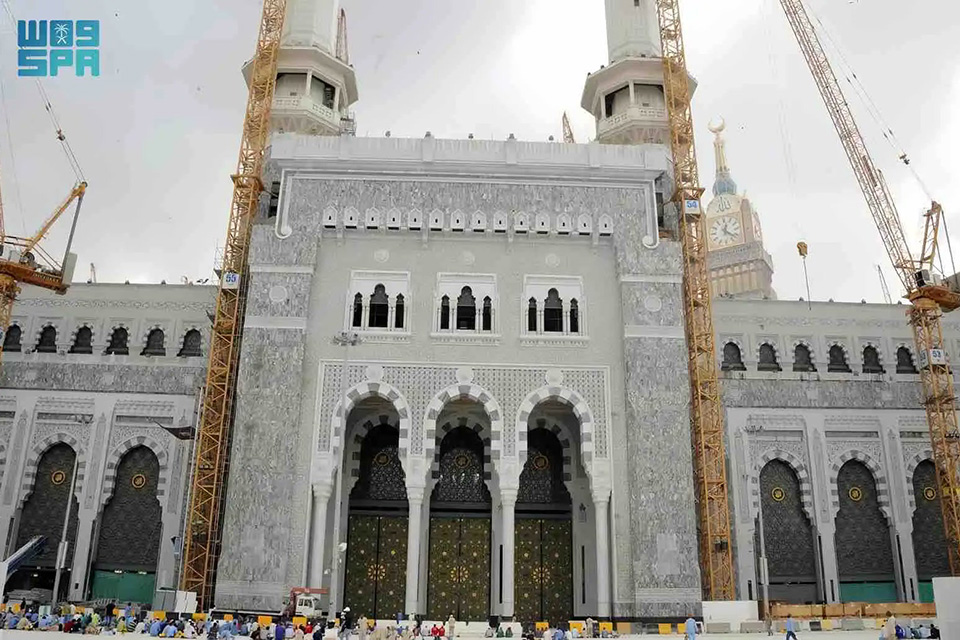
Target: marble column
601 503
81 554
318 530
415 502
831 572
508 500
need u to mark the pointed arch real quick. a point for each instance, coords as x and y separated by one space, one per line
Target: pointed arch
114 458
883 489
922 456
458 391
568 397
799 468
33 459
365 389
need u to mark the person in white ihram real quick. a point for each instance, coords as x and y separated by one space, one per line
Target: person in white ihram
890 629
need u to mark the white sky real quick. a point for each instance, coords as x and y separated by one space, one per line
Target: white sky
157 133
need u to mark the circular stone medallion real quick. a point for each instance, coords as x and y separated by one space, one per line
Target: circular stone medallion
929 493
138 481
856 494
778 494
58 477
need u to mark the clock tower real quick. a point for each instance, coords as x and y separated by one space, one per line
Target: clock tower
739 265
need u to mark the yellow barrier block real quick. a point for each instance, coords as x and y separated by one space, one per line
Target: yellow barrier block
575 624
298 620
543 626
606 626
624 628
228 617
199 616
826 625
264 621
665 628
160 615
79 609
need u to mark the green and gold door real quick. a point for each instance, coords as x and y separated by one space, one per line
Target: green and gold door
543 571
459 576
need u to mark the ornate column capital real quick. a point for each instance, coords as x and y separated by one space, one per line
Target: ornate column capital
415 493
322 488
600 495
508 496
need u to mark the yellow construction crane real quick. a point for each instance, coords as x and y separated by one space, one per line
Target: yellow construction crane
929 294
706 407
202 539
24 260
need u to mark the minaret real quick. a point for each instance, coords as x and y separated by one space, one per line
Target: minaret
724 181
315 83
739 265
626 96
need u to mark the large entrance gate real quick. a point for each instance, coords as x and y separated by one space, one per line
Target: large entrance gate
376 566
543 566
459 566
543 571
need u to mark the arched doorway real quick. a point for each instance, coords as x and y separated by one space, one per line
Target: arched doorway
863 545
458 580
377 528
788 536
543 569
128 543
929 541
43 515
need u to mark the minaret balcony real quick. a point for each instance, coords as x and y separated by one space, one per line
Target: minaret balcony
635 116
304 114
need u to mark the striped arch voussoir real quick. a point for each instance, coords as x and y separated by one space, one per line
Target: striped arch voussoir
33 460
799 468
360 432
456 392
113 461
577 404
482 431
363 390
883 489
563 435
915 461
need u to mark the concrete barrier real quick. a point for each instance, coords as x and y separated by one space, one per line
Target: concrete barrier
753 626
717 627
852 624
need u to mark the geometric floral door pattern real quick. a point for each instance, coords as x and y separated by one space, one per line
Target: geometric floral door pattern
459 575
376 566
543 571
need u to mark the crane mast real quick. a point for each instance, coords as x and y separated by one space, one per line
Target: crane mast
706 407
203 527
929 297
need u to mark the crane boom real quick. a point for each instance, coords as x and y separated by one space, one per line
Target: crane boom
706 407
203 527
929 297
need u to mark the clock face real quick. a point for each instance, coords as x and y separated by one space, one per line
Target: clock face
725 231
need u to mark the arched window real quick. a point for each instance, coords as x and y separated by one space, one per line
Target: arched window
487 314
82 343
466 310
871 360
732 358
11 341
574 316
553 312
802 361
768 358
398 318
379 308
154 344
48 340
838 360
191 344
445 313
357 320
905 361
118 342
